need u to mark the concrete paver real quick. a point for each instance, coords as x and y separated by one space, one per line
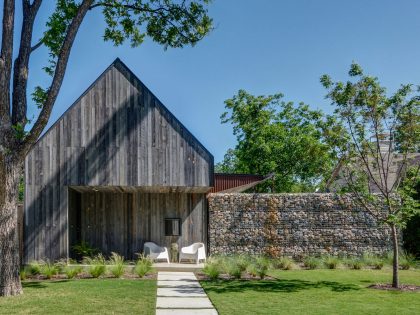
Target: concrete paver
180 293
174 302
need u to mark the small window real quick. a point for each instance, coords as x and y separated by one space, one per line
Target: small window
172 227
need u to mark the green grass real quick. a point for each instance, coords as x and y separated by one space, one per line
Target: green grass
90 296
315 292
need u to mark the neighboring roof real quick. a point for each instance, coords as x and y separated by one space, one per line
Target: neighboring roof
229 183
335 181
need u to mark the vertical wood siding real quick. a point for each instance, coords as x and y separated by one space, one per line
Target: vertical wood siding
116 134
123 222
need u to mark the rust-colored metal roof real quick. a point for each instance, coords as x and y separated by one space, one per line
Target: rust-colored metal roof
235 182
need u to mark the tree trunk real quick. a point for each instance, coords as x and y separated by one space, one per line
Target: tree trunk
395 279
10 169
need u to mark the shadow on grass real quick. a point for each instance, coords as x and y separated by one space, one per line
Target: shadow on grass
41 284
33 285
287 286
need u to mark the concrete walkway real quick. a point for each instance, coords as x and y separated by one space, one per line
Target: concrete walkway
181 293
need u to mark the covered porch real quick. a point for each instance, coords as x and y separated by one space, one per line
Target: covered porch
122 218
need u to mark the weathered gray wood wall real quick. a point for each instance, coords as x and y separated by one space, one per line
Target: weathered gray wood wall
116 134
122 222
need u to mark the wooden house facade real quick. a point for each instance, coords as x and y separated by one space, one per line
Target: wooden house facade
111 172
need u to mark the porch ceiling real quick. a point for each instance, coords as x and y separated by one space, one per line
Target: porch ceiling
145 189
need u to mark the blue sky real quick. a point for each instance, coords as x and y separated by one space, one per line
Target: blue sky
264 47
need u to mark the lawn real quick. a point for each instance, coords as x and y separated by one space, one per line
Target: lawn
315 292
90 296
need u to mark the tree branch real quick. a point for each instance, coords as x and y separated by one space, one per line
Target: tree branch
36 46
58 77
128 6
21 66
363 156
6 61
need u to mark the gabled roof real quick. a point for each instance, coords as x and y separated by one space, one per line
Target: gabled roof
130 76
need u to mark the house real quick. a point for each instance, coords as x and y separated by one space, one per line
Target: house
394 166
116 170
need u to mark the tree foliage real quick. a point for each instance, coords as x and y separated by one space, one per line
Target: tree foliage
170 23
275 136
373 172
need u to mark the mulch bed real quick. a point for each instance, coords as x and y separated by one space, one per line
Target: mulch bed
246 276
85 275
403 287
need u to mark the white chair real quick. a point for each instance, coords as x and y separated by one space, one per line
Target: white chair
195 252
155 252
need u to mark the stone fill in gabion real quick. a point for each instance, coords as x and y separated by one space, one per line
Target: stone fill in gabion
293 225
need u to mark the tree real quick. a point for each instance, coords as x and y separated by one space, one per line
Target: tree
384 133
411 232
293 142
170 23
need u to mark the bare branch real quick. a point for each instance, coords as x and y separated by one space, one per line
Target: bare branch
36 46
58 77
364 158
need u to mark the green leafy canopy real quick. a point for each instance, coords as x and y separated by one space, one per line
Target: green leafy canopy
169 23
275 136
374 173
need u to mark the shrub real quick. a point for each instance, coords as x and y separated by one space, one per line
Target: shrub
34 267
355 263
284 263
23 274
262 264
48 269
252 269
242 261
378 264
312 262
117 267
143 266
83 249
407 261
212 269
374 261
96 265
72 272
232 268
331 262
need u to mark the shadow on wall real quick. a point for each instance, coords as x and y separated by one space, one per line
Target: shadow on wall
46 225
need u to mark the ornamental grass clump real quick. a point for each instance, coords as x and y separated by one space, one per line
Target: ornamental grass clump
96 266
212 268
232 268
144 265
252 269
48 269
23 273
407 261
72 272
284 263
373 261
262 265
312 262
356 263
34 268
242 261
331 262
117 267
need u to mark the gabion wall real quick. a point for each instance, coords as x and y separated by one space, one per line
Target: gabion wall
293 225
